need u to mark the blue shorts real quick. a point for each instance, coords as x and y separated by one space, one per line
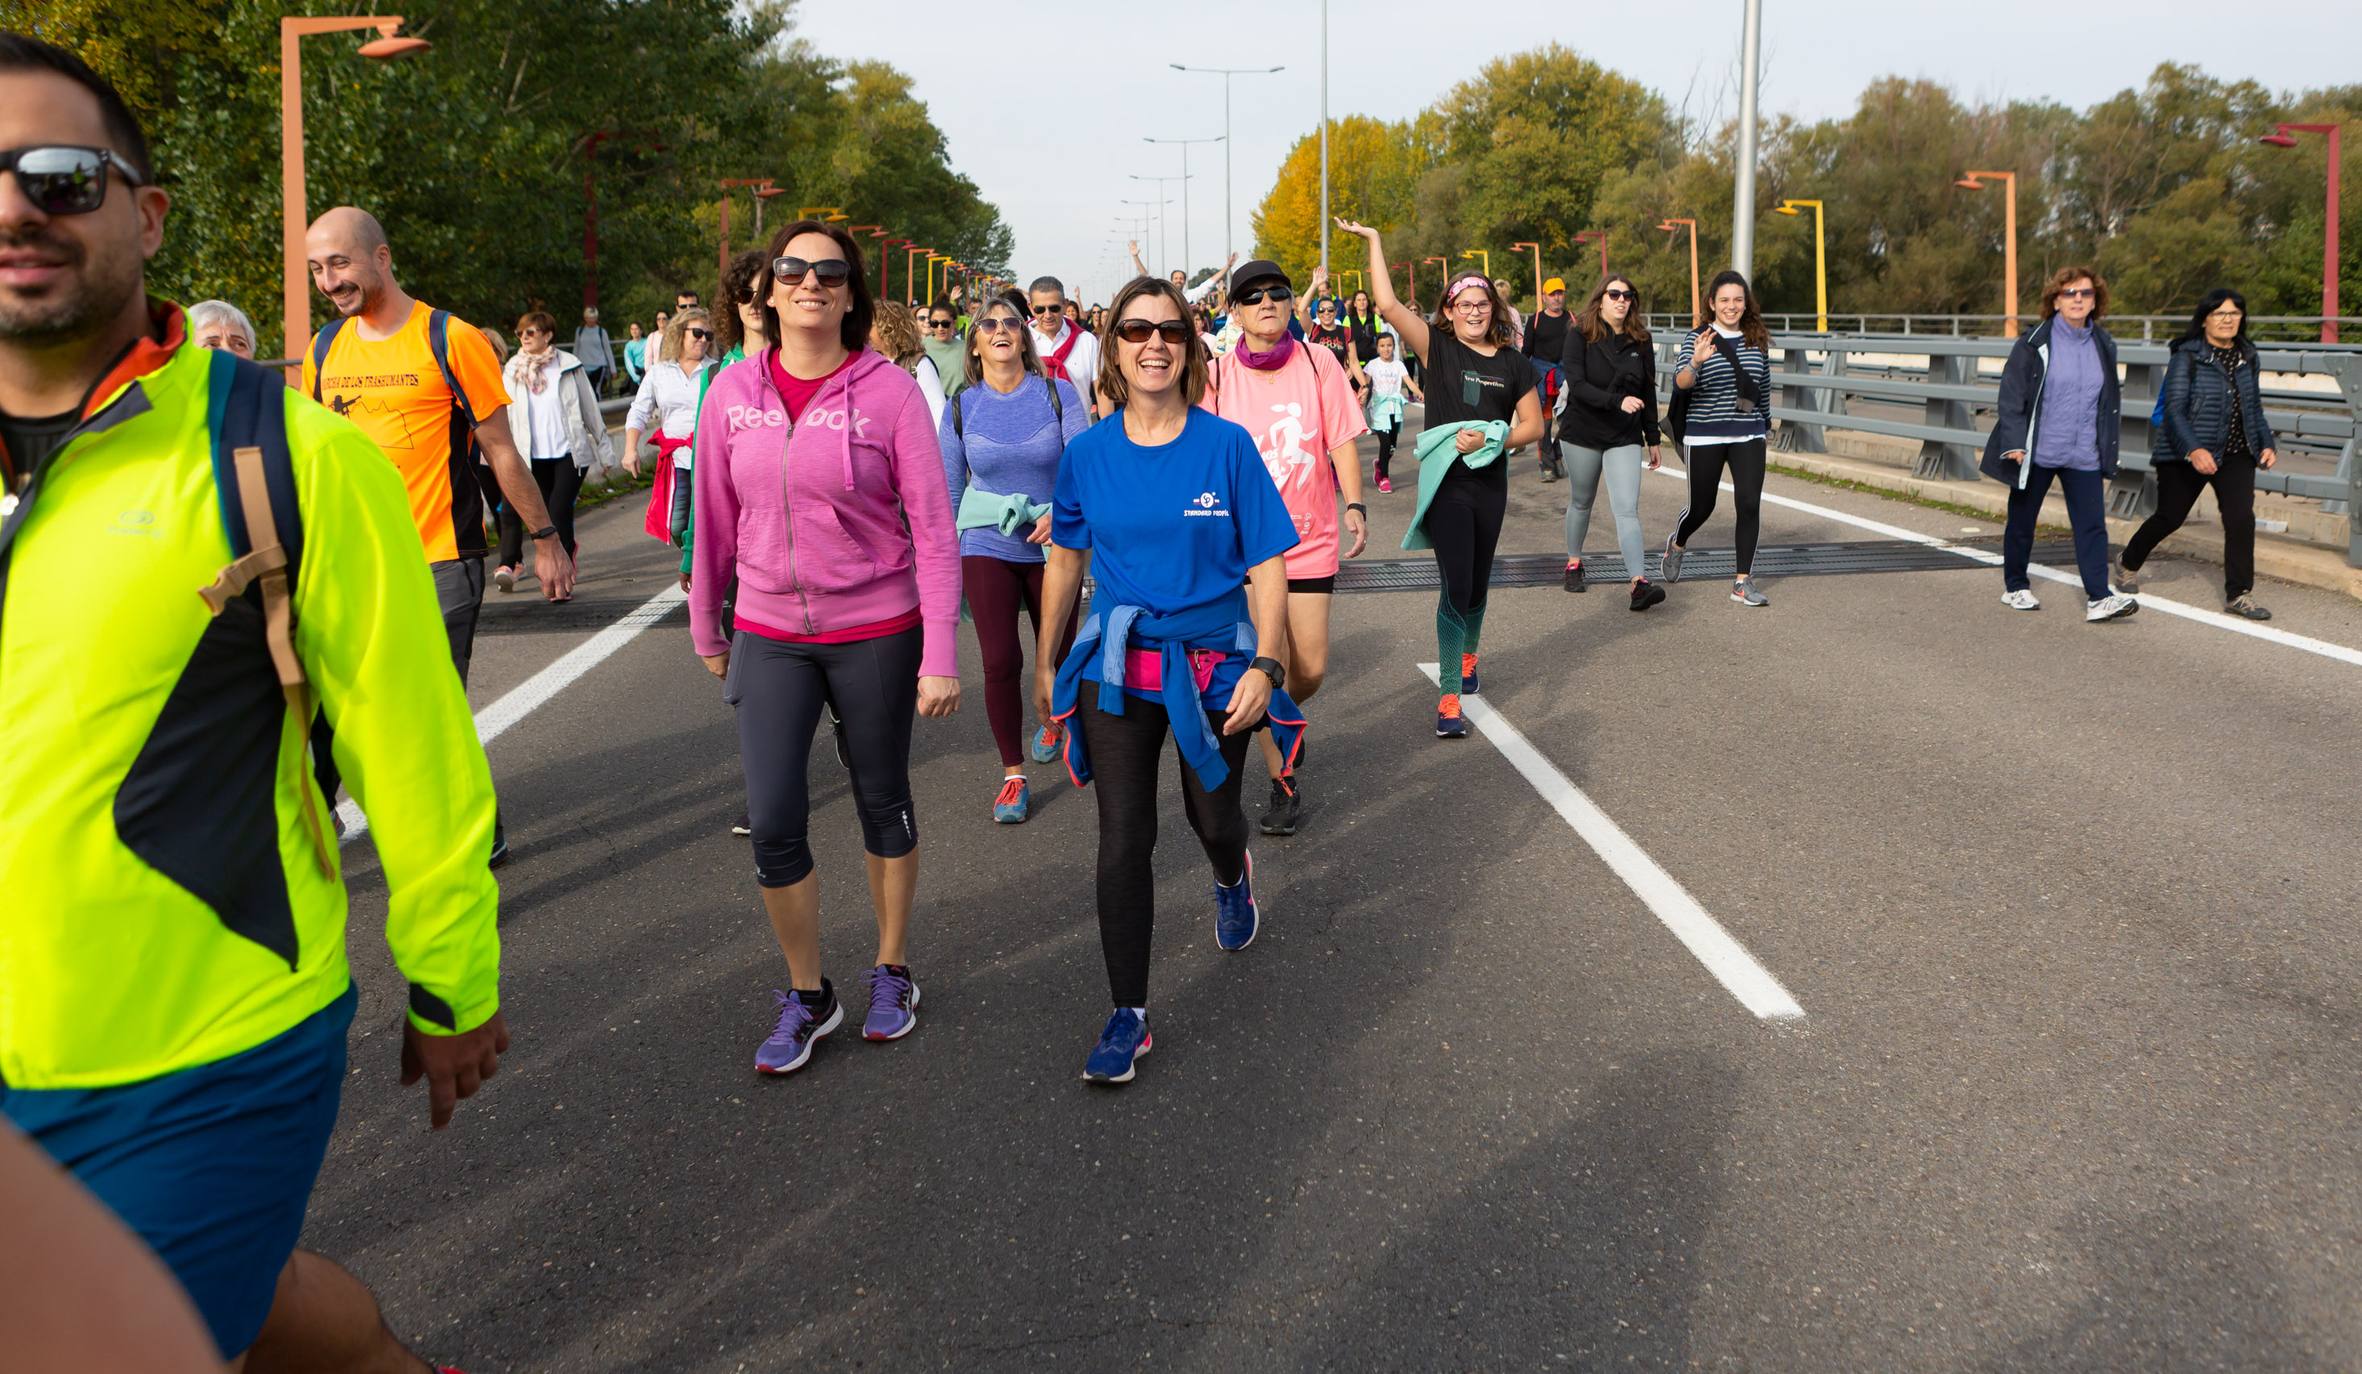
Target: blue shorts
211 1166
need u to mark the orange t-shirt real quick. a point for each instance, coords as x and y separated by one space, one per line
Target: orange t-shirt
392 389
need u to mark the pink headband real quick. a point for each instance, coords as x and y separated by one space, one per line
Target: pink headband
1452 292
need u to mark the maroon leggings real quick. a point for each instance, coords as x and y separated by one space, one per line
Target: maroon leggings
996 589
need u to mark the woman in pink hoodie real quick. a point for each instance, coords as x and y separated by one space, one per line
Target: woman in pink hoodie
820 492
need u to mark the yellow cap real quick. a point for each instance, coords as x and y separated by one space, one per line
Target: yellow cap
1554 284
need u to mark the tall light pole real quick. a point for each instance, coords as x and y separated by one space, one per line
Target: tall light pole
1742 236
1163 244
1974 181
1485 257
1446 274
764 195
2283 137
1697 307
1223 139
1599 236
1791 209
1537 269
293 221
886 247
730 184
1413 267
1324 137
1151 210
910 268
1229 245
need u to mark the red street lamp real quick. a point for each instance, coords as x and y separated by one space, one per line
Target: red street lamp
730 184
2282 136
1601 235
886 260
292 219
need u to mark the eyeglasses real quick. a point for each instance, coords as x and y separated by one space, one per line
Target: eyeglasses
993 324
63 179
1480 303
533 334
1137 331
2228 316
833 272
2077 293
943 322
1614 294
698 333
1277 295
1041 310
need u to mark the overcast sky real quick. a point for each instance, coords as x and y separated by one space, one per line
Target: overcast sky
1050 127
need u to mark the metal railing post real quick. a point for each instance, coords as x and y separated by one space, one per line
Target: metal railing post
2132 494
1942 459
1800 436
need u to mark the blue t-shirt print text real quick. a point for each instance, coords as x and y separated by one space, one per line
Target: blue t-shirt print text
1172 527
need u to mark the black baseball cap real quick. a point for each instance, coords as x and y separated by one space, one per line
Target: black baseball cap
1261 269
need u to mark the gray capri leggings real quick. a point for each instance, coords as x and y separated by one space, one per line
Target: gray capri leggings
1621 466
779 690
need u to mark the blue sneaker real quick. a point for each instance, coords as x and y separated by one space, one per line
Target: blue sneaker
1468 683
789 1046
1014 803
893 1003
1120 1046
1236 918
1449 723
1047 741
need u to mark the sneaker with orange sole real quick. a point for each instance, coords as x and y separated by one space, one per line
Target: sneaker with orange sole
1468 675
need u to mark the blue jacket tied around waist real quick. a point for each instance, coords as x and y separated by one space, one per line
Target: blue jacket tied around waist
1099 654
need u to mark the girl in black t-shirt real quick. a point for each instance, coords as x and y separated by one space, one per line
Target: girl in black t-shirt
1474 375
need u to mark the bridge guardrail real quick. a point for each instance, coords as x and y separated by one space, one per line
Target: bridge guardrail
2150 328
1815 375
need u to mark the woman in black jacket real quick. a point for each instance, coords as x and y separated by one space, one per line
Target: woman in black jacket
1611 411
2214 434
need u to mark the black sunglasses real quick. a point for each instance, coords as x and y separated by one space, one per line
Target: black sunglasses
831 271
63 179
1278 295
1049 310
1137 331
941 322
1617 294
698 333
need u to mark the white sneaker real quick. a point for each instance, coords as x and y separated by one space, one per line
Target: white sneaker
2020 601
2114 606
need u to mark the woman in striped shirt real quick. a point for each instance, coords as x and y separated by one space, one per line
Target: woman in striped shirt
1725 392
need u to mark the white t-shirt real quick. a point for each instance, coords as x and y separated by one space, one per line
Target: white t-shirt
1386 375
1082 365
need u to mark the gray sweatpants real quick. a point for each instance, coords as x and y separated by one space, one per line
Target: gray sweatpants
1621 466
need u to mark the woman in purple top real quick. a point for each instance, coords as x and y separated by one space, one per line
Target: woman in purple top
1002 438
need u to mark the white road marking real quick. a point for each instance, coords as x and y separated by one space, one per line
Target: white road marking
534 692
1724 957
2184 610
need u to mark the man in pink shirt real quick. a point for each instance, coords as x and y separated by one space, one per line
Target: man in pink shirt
1297 402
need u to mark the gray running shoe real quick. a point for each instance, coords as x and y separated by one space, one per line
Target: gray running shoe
2244 606
1743 591
2123 578
1673 553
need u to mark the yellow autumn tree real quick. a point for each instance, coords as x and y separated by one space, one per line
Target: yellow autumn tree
1374 171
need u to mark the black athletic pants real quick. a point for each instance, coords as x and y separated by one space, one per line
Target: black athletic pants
1464 525
779 690
560 482
1387 439
1706 462
1124 753
2178 485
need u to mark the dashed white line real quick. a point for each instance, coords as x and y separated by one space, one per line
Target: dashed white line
1724 957
2185 611
528 696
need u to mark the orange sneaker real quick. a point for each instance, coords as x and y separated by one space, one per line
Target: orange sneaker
1448 723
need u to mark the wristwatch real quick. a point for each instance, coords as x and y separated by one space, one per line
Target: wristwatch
1356 505
546 532
1273 669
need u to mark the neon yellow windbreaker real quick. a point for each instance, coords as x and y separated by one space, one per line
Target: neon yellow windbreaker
161 902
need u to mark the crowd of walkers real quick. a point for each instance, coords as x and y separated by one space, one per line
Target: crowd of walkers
841 476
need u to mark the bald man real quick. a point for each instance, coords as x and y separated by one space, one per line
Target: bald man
375 365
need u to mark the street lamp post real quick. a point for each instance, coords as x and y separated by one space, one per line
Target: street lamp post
2283 137
730 184
1791 208
1446 274
763 196
293 221
1484 257
1599 236
1697 309
1537 269
1413 268
830 214
1229 246
1975 181
1224 139
1151 211
1163 247
886 247
910 268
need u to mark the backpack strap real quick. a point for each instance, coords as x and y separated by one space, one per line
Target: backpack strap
254 476
320 345
1057 407
957 432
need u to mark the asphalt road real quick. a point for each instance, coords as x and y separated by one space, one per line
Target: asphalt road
2069 910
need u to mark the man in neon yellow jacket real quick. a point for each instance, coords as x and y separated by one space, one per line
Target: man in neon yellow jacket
174 994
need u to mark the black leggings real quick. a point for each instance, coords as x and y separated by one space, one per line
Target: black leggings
1387 439
1124 751
1464 525
1746 462
560 482
2178 485
779 690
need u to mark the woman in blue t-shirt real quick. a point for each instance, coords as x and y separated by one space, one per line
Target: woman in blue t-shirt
1170 508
